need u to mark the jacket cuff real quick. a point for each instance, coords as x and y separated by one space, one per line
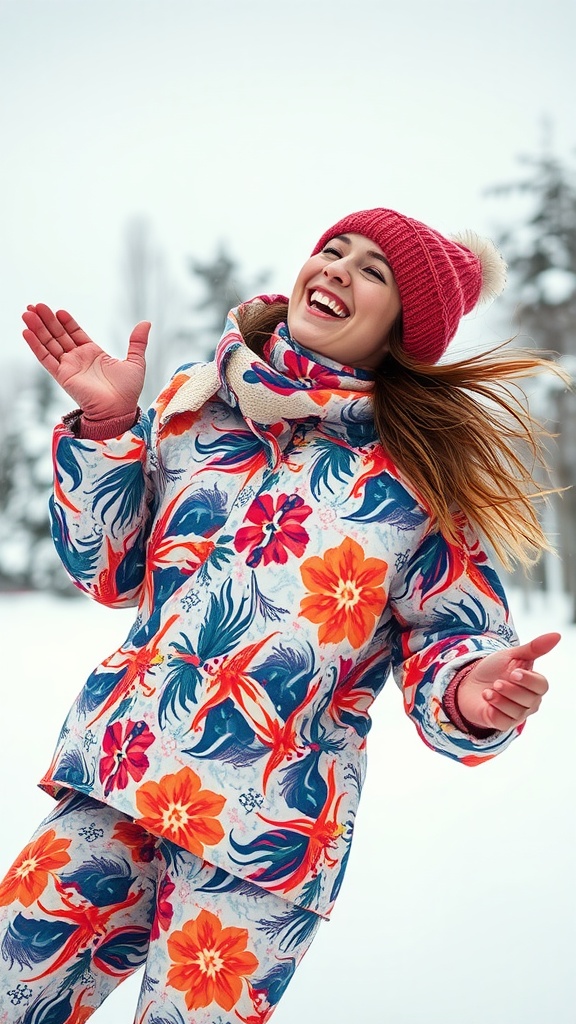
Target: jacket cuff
450 706
99 430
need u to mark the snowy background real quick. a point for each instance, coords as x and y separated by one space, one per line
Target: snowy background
459 903
257 123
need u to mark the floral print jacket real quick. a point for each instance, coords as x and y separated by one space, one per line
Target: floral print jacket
281 566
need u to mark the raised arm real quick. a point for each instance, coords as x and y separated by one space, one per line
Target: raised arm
100 508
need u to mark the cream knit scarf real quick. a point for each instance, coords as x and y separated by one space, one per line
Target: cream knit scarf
290 384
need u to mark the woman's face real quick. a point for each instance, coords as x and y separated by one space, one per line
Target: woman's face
344 302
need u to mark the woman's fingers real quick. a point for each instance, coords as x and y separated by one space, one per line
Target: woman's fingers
72 328
522 686
516 710
517 699
537 647
43 355
498 720
48 331
138 342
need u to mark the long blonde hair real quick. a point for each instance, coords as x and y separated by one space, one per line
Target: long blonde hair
461 432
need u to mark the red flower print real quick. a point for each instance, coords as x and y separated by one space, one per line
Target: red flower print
346 596
209 962
277 529
164 909
320 379
124 747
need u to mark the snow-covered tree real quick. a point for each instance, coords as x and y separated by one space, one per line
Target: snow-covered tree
148 292
27 557
223 287
540 247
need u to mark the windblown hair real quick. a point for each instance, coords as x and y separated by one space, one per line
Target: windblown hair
461 433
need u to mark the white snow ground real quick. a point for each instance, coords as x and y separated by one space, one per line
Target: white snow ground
459 903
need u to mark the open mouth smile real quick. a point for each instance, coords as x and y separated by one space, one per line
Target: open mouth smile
328 304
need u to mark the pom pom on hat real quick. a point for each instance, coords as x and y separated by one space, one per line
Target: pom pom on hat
439 279
492 263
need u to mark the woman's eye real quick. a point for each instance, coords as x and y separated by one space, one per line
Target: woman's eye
330 249
376 273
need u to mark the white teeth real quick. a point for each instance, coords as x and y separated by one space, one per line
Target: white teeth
326 301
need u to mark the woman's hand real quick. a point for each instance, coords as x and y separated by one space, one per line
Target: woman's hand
502 689
101 386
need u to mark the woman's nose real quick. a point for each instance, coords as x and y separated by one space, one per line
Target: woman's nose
337 271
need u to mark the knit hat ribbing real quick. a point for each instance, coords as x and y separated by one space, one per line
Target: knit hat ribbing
439 279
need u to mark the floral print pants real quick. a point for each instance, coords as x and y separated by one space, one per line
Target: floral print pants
93 896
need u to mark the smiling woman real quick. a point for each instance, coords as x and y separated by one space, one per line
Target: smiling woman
294 521
345 301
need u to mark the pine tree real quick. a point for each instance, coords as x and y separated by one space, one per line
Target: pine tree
27 557
149 293
541 253
223 287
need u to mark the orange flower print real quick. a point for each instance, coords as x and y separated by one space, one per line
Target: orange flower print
209 962
346 596
28 876
177 808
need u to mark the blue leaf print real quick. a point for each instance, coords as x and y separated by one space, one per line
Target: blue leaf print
333 463
101 880
222 881
387 501
302 785
275 983
80 561
97 688
465 617
49 1009
227 737
200 514
291 929
66 460
224 624
286 674
429 565
124 950
29 942
237 449
182 678
124 487
282 849
72 769
130 571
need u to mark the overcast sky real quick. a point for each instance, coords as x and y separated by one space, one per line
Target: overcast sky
257 122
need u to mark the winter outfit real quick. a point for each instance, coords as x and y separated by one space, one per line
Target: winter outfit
281 566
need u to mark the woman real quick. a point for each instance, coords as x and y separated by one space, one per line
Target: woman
292 520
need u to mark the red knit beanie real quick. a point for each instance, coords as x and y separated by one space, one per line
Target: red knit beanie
439 279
